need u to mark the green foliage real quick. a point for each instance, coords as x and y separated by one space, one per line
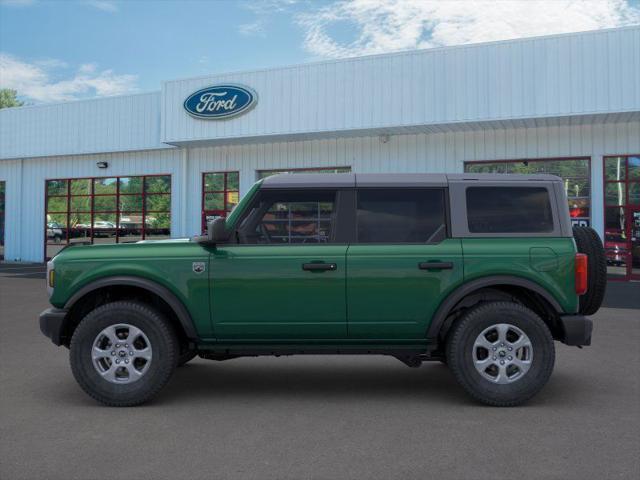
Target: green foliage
8 98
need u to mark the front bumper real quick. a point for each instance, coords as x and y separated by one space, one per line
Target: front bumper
52 324
575 330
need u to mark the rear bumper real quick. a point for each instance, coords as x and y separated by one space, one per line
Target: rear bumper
575 330
52 323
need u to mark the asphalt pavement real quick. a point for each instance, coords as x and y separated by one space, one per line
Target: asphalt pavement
316 417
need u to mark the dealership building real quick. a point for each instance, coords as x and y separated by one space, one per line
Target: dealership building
158 164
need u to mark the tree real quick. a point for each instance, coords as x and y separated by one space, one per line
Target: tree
8 98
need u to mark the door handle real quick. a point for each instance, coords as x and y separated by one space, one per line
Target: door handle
435 265
319 267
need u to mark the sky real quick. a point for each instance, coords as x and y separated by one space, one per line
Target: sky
59 50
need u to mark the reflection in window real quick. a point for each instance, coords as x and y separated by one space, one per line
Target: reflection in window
304 217
622 215
574 172
509 210
107 210
220 195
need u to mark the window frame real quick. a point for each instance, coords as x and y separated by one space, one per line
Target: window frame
627 209
574 220
144 211
3 216
343 205
206 212
547 207
438 240
459 215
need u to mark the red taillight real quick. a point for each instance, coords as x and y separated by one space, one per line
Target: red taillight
581 273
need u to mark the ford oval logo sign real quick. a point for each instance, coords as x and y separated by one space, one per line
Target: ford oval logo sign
220 101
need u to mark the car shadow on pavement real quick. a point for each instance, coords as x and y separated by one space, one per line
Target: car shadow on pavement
432 383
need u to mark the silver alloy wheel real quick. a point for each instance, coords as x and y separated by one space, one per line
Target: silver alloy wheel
502 353
121 353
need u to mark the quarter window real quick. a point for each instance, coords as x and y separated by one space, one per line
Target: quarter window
573 171
509 210
401 216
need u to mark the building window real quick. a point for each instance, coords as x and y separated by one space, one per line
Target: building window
2 210
268 173
106 210
575 172
622 216
220 194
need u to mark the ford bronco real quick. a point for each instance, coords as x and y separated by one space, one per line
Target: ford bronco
480 272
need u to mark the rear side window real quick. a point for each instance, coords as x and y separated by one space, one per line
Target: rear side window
509 210
401 215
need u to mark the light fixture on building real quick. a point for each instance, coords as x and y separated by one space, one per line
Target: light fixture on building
384 138
102 164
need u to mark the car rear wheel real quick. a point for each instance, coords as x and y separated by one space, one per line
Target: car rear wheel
501 353
123 353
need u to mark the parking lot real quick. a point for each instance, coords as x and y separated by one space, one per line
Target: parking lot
317 417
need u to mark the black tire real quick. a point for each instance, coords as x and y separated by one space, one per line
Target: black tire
460 348
163 343
186 356
588 242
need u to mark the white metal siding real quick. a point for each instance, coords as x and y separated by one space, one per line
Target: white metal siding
547 77
433 152
89 126
25 198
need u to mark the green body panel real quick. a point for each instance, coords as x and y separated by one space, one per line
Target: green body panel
262 292
389 297
549 262
377 297
168 263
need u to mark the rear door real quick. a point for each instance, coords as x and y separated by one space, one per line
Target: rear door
402 263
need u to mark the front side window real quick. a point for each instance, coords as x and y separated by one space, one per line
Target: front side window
509 210
291 218
401 216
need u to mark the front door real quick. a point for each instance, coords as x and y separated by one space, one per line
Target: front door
402 264
285 280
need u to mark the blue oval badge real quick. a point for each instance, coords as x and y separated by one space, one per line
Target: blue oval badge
220 101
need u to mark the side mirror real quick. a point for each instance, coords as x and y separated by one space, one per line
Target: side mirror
217 231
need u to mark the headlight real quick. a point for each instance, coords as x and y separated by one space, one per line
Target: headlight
51 277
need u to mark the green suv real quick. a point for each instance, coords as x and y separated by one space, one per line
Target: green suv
481 272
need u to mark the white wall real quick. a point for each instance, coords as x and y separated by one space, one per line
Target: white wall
110 124
546 77
435 152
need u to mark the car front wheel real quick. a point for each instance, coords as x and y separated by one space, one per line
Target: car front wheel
501 353
123 353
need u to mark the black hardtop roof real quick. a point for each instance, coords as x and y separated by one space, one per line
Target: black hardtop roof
346 180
